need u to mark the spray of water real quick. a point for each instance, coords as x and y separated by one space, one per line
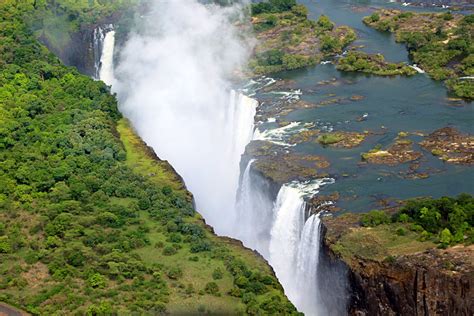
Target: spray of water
173 83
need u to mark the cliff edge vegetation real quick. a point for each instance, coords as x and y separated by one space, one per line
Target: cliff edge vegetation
413 260
418 225
439 43
91 221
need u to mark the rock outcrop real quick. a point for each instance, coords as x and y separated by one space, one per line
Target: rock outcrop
433 282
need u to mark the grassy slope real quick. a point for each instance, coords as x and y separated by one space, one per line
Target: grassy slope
197 273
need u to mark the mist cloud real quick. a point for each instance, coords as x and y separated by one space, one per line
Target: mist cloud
173 84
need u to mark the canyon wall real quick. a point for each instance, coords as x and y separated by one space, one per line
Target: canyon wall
435 282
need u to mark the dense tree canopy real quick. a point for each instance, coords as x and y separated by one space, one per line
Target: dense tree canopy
90 222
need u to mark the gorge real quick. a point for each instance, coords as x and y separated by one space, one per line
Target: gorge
170 84
284 163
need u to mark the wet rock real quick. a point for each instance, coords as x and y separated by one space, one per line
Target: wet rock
304 136
326 203
450 145
281 165
399 152
342 139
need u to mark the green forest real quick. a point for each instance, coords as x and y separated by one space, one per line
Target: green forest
445 221
91 222
441 43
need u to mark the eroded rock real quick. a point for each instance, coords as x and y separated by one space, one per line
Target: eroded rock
450 145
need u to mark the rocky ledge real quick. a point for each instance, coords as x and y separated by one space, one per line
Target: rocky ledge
390 274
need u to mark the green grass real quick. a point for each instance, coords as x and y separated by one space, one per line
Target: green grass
141 159
330 138
380 242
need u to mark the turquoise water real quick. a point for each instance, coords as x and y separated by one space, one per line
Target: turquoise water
416 104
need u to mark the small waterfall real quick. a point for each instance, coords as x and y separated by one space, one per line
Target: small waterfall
307 262
106 68
294 245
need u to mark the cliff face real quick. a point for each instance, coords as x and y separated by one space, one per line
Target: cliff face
407 287
435 282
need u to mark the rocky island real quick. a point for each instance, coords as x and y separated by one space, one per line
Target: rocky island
287 39
440 43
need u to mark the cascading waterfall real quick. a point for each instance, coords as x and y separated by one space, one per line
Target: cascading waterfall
307 261
294 245
180 104
106 67
254 212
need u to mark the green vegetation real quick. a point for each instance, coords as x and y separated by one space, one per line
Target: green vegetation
375 218
372 64
91 222
57 22
447 221
289 40
419 225
330 138
273 6
440 43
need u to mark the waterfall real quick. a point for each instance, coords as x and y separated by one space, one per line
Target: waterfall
173 84
106 68
307 262
254 212
294 245
285 236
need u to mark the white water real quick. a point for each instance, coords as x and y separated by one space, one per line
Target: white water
280 135
254 213
294 246
106 72
173 85
307 259
174 90
418 69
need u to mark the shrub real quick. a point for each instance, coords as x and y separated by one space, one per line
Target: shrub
401 231
375 218
445 237
217 274
169 250
96 280
212 288
325 23
330 138
200 246
174 273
